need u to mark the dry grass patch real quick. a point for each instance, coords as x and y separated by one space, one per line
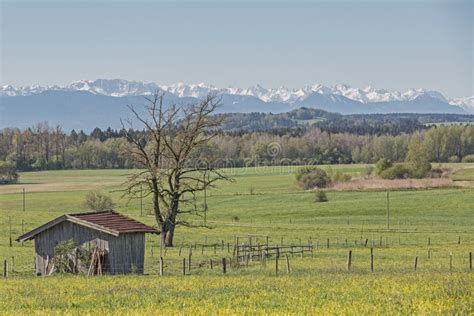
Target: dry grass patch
361 184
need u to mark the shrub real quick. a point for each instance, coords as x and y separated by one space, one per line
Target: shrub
339 176
468 158
419 170
304 170
321 197
436 173
98 201
453 159
8 174
368 171
382 165
314 178
63 261
397 171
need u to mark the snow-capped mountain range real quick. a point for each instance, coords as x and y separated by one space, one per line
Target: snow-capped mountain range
103 103
124 88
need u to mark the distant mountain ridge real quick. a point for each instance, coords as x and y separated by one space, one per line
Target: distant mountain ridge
122 88
102 102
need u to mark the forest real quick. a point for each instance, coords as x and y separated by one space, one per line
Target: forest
360 124
43 147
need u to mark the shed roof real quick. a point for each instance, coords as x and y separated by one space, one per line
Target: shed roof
109 222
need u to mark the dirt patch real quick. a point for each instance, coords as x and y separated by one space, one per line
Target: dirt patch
360 184
57 186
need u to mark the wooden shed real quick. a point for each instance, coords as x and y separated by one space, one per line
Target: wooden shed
120 239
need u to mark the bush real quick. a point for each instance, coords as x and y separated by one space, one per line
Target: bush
368 171
304 170
63 261
419 170
397 171
382 165
339 176
312 178
321 197
436 173
8 174
453 159
98 201
468 158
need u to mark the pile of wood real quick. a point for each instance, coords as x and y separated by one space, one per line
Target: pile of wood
79 261
97 265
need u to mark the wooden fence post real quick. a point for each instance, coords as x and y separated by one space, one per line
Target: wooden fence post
450 261
161 266
202 250
372 260
349 260
224 265
184 266
287 263
470 261
24 200
459 240
13 264
416 262
211 264
276 264
429 241
189 262
328 243
10 224
5 269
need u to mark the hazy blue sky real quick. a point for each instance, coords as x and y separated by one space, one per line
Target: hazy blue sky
387 44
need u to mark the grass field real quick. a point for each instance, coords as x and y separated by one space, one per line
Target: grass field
276 208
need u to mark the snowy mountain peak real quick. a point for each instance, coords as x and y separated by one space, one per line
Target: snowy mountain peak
121 88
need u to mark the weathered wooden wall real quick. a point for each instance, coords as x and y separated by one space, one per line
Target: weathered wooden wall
125 252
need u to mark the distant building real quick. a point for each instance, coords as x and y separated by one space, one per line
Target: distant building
120 240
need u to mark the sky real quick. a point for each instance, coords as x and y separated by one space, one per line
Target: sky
396 45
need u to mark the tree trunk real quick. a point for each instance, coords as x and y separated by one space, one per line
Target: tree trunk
163 233
169 237
171 220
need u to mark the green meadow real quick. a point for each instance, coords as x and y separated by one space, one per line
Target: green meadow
436 226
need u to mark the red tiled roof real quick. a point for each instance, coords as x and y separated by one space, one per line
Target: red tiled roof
114 221
109 222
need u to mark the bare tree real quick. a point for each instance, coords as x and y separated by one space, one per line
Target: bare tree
171 175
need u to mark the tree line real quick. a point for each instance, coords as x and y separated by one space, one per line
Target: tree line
301 119
44 147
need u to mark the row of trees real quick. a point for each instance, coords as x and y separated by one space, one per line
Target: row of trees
44 147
